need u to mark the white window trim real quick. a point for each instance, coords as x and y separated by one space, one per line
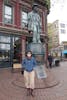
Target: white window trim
12 14
21 19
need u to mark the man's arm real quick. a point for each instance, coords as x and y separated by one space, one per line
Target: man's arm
23 63
29 22
34 62
40 23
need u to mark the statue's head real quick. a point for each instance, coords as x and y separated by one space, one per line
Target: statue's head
35 7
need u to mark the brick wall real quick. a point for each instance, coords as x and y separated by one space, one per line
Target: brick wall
17 15
1 6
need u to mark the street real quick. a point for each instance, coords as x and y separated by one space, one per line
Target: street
52 88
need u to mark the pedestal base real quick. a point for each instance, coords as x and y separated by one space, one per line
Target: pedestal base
37 50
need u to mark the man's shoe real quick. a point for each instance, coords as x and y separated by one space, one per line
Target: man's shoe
28 91
32 93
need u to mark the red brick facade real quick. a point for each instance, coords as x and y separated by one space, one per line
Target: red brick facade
17 13
1 6
16 26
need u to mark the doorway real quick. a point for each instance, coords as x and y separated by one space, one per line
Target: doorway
17 57
5 45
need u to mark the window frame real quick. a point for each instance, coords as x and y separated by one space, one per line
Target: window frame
65 47
11 19
62 25
63 31
25 11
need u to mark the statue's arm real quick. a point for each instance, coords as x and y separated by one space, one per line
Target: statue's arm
29 22
40 23
29 17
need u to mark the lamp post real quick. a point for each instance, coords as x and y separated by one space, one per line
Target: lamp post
46 54
61 49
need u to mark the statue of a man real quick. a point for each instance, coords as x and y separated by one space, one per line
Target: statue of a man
34 24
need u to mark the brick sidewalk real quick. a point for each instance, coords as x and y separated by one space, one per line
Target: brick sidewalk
12 85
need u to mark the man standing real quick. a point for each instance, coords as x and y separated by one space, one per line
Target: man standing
29 64
34 24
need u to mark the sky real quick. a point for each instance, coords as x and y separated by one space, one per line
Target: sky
58 11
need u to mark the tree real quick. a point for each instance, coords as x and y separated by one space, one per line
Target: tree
50 43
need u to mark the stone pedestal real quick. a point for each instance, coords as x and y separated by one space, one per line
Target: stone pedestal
37 50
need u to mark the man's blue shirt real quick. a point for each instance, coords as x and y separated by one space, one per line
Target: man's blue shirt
29 64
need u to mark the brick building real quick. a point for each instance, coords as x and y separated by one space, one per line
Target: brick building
14 35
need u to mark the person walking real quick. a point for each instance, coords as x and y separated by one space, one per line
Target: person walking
29 64
50 60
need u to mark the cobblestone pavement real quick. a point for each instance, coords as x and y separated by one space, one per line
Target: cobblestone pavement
54 87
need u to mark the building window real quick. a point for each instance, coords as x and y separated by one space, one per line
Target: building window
63 31
4 46
65 47
4 42
62 25
56 25
24 19
8 14
5 39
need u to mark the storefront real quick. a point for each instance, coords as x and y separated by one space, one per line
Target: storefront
10 50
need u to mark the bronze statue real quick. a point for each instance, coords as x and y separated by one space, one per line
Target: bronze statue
34 24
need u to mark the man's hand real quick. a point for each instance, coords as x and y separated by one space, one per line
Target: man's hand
30 31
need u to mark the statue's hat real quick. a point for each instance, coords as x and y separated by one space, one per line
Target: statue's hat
35 4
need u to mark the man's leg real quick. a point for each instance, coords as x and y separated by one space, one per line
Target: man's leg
34 37
27 81
34 34
38 37
32 82
50 65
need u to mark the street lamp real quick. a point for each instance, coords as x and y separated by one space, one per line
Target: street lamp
46 39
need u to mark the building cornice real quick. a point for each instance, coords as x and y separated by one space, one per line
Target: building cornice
44 3
11 30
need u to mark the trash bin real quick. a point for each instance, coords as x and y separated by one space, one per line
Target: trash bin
57 62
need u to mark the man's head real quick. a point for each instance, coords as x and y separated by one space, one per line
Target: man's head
29 54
